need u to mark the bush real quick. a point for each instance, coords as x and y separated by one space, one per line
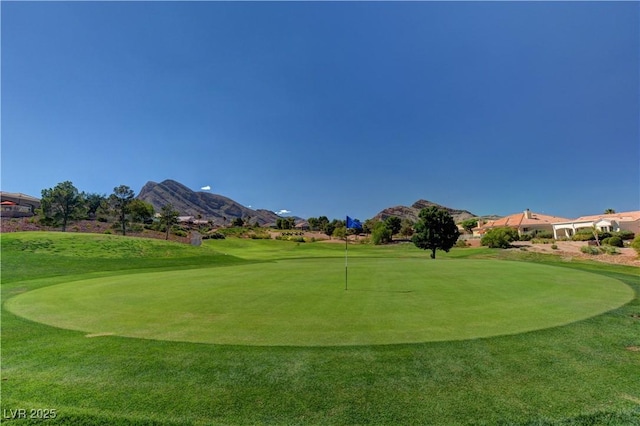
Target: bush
624 235
213 236
608 250
635 244
526 237
554 246
590 250
542 241
461 243
613 241
544 235
499 237
381 234
259 236
583 236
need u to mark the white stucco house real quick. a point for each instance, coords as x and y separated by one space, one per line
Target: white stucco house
613 222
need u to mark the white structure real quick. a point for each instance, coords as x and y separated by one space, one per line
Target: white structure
626 221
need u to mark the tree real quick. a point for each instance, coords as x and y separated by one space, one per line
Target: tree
314 223
237 222
407 228
499 237
61 204
120 202
285 223
93 202
339 232
435 230
609 211
381 234
141 211
329 227
394 223
168 218
469 224
368 226
323 222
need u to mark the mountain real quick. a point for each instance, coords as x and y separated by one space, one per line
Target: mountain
221 210
404 212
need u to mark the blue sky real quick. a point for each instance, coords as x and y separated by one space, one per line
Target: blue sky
329 108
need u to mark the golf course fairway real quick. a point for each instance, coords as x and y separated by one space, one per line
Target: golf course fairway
303 302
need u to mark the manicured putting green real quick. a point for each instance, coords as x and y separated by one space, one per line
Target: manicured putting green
303 302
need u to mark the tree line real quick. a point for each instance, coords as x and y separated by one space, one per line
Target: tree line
64 203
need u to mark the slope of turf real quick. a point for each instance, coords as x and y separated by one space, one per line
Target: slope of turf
583 373
303 302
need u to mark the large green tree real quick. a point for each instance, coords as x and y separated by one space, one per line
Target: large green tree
435 230
120 202
141 211
61 204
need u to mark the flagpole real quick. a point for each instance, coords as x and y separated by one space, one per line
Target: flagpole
346 260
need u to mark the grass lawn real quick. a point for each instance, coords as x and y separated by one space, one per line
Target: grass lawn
264 332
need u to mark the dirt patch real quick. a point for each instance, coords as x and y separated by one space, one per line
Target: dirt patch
633 348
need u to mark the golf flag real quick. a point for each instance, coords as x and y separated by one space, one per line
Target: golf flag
353 223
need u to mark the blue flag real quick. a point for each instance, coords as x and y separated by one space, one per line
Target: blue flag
353 223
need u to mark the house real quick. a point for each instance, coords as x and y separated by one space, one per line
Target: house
17 204
613 222
525 222
302 225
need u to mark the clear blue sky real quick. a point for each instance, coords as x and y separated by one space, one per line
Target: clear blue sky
329 108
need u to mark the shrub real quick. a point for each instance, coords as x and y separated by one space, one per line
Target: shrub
590 250
554 246
259 236
583 236
542 241
614 241
461 243
526 237
136 227
499 237
624 235
544 234
608 250
213 236
635 244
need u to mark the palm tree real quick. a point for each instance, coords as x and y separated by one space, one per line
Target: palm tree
609 211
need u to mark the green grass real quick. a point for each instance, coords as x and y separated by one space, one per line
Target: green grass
303 302
579 373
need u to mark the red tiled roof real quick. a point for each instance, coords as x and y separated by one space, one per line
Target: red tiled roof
519 219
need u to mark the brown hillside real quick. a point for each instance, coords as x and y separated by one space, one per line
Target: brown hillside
411 213
221 210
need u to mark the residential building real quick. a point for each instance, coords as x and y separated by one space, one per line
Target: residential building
525 222
613 222
17 205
